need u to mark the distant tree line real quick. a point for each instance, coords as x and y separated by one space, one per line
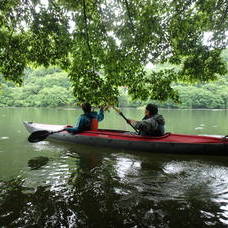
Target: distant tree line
41 88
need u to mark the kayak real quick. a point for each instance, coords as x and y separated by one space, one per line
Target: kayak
168 143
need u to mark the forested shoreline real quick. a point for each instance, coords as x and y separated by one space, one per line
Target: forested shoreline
51 87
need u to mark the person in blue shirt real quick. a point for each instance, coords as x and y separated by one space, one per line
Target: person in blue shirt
86 120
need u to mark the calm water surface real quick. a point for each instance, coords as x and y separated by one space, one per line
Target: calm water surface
84 186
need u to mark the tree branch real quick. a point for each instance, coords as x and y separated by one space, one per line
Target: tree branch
129 15
86 33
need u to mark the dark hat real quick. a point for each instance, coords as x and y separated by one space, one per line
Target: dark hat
86 107
152 108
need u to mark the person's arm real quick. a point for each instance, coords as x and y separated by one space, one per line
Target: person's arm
100 115
78 126
133 122
144 125
72 130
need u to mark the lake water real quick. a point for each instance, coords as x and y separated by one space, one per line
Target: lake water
84 186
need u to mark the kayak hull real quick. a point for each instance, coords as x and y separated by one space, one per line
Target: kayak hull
170 143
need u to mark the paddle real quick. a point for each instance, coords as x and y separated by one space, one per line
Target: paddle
117 110
38 136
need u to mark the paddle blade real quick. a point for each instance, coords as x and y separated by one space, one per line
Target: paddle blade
38 136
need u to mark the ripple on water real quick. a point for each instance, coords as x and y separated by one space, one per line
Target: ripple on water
55 174
133 190
196 177
179 181
4 137
199 128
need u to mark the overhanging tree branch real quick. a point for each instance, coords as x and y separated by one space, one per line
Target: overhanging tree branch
87 34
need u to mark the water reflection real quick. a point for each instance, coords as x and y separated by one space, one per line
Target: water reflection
82 186
127 167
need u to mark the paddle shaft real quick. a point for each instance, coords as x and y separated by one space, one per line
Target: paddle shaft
53 132
125 118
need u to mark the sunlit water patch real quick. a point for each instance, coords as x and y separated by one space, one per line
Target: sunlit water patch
54 174
4 137
182 184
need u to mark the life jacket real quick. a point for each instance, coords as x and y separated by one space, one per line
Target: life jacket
94 124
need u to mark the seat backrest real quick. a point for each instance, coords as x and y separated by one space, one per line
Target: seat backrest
94 124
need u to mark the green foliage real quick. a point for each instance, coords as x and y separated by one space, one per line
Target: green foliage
53 88
193 97
116 39
39 89
55 96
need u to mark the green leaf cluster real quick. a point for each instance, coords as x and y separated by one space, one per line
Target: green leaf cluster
106 44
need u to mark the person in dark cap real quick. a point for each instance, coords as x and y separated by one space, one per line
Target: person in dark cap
153 124
87 121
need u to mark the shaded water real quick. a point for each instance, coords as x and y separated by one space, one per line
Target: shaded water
84 186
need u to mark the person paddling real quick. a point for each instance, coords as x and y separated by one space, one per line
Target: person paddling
87 121
153 124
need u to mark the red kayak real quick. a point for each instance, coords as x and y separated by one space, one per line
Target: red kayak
168 143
